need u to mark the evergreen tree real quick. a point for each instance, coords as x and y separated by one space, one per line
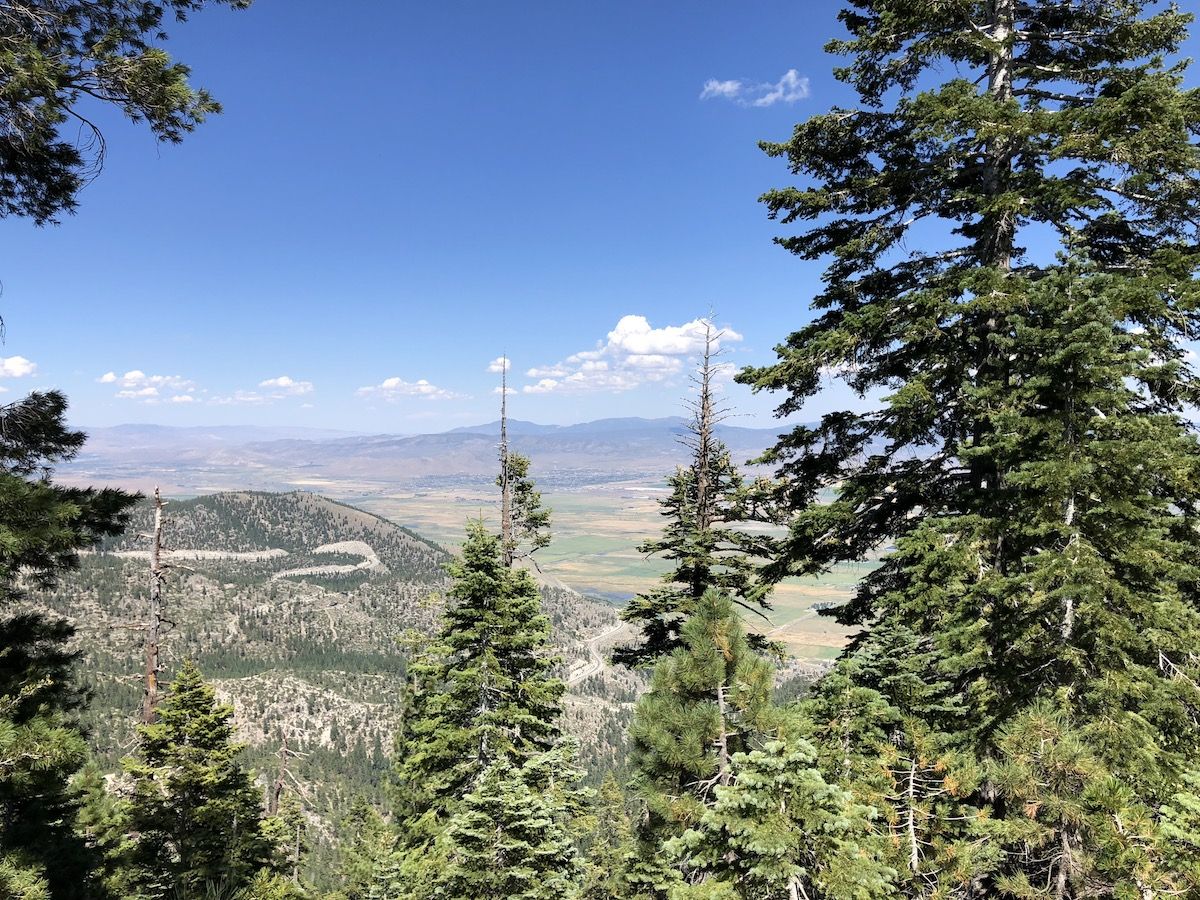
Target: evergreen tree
778 830
1030 458
196 812
509 841
522 516
610 844
43 526
530 521
103 823
709 699
286 830
483 692
364 849
58 57
706 499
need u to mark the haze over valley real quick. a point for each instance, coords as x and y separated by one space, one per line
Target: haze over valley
602 479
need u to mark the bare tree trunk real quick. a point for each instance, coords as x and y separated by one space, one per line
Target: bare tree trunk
277 788
507 547
994 245
1000 232
154 621
910 793
723 739
704 435
705 417
1064 866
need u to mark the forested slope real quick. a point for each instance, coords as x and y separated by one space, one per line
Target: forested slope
314 662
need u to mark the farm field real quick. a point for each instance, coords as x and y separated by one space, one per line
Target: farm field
597 530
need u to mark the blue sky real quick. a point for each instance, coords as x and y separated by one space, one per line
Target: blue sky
399 193
407 191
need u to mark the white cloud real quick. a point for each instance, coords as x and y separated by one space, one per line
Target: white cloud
394 388
634 353
730 90
545 386
287 385
788 89
244 398
279 388
137 385
143 393
499 364
16 367
555 371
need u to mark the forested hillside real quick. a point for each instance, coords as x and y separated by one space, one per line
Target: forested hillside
989 434
302 612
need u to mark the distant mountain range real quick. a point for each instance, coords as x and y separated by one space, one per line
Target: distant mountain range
205 459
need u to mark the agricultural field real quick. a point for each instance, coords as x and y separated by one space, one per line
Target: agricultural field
597 530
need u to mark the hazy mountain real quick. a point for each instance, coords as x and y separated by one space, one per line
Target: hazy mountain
207 459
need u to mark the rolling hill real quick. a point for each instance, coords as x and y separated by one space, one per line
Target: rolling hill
296 606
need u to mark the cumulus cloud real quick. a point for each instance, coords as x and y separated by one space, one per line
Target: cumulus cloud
634 353
287 385
788 89
16 367
499 364
394 388
137 385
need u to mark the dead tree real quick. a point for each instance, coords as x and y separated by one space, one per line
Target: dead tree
706 416
154 620
507 544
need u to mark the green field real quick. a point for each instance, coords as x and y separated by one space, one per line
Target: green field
597 531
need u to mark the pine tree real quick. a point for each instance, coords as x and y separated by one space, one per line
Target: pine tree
43 526
365 847
710 699
1030 458
196 812
530 521
779 830
483 692
102 822
523 519
61 55
610 844
706 499
509 841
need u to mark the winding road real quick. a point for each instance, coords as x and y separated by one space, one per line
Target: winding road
597 661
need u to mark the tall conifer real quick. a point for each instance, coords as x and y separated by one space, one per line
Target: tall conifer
485 690
196 812
710 699
707 499
1029 457
43 526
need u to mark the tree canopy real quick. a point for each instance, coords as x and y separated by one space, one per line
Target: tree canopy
59 59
